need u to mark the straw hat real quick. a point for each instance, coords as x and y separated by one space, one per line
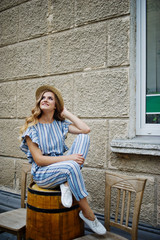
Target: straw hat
50 89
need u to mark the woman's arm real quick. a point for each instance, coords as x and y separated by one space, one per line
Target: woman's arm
77 126
42 160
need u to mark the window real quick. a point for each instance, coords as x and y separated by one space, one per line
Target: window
148 67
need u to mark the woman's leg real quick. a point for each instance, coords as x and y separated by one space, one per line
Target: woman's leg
89 218
80 145
87 211
58 173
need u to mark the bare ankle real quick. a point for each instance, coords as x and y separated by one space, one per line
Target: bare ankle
89 216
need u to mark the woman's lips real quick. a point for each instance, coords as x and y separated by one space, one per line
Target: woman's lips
45 104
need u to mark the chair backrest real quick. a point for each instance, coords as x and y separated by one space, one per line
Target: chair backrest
26 168
127 188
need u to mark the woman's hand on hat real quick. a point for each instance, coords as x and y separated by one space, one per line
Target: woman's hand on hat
64 112
77 126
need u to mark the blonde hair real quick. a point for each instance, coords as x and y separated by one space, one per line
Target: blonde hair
36 113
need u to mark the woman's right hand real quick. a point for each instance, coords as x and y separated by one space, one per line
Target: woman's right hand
64 112
77 158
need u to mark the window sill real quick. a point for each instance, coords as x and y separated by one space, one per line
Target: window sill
145 145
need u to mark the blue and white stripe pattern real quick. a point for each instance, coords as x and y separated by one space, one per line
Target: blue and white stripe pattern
50 138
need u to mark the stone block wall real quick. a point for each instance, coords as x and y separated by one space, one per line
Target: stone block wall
84 49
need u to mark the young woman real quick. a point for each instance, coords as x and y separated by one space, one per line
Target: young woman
43 140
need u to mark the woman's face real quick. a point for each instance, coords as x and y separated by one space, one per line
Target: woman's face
48 102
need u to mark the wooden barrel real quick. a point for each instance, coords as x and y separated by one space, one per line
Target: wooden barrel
47 219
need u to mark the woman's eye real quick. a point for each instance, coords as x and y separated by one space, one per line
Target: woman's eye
42 98
50 98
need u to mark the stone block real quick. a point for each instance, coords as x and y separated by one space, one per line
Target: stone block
158 216
8 3
134 163
8 107
95 185
118 42
87 11
26 92
20 60
7 169
33 19
75 50
9 142
102 94
118 129
7 65
26 96
158 199
60 15
9 26
97 154
148 206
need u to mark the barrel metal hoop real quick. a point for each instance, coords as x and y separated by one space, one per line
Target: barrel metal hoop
62 210
54 193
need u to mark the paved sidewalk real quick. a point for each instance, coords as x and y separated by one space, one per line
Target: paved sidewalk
142 235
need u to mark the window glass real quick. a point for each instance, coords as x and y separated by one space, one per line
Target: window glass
153 62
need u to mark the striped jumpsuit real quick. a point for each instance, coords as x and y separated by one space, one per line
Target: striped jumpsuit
50 138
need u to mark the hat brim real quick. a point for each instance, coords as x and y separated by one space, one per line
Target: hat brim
51 89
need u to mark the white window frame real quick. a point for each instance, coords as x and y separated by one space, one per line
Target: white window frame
141 127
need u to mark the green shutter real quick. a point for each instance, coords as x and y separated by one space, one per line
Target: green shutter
152 104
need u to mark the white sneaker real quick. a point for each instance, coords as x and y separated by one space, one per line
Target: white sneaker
95 225
66 196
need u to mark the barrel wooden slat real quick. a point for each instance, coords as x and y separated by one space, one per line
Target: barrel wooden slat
48 219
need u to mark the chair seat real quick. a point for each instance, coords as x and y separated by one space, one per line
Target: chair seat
13 220
107 236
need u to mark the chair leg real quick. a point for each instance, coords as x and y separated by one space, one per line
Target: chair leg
24 235
19 235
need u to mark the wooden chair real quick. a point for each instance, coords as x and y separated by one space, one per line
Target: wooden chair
121 190
14 221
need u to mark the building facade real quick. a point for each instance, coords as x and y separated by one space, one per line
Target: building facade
95 52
